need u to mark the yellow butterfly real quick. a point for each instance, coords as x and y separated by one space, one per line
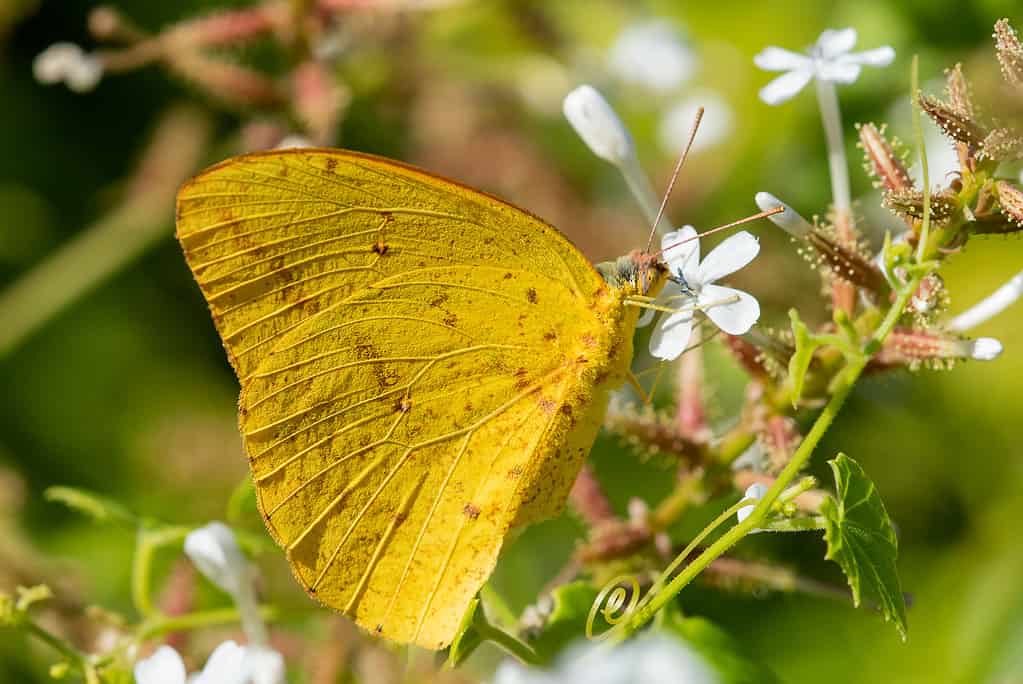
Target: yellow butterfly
422 367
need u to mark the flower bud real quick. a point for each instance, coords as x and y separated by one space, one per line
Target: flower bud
914 347
756 492
1002 144
910 203
597 124
885 165
956 126
788 220
1010 52
847 263
1010 199
214 550
959 91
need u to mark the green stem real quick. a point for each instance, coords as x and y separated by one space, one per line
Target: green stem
146 545
73 655
509 643
842 387
918 132
160 625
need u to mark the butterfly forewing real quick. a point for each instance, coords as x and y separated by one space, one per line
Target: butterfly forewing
414 357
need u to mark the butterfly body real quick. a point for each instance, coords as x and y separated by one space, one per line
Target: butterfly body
423 367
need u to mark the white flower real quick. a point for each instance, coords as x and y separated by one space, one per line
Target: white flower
651 659
734 311
214 550
716 125
788 220
163 667
652 54
755 492
228 664
67 62
829 59
293 141
597 124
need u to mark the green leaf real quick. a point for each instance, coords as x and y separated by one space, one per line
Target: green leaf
567 621
862 541
99 508
799 362
722 652
468 638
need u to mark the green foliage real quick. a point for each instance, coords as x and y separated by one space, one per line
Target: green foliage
862 541
92 505
728 658
567 621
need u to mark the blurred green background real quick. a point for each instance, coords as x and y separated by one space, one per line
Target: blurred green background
127 391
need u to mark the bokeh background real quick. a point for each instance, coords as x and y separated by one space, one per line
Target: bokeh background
126 390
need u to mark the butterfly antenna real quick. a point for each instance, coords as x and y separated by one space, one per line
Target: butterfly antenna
674 177
733 224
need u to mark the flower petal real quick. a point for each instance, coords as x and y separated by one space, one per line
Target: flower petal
214 550
163 667
735 317
733 253
838 70
681 255
670 338
786 86
224 666
263 665
834 42
779 59
878 57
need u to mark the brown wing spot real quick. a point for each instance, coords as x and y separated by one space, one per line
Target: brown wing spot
439 299
508 276
547 405
550 336
405 405
379 247
379 629
331 164
450 320
471 511
515 472
566 409
531 295
521 381
589 340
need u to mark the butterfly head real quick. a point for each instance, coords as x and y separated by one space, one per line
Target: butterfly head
636 273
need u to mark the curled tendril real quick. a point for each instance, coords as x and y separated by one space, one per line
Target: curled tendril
617 600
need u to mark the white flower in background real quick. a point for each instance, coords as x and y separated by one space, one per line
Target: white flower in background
734 311
652 54
650 659
293 141
163 667
228 664
68 63
598 125
214 550
715 127
756 492
830 59
596 122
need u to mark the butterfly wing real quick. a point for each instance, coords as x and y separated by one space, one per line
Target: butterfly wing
418 361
